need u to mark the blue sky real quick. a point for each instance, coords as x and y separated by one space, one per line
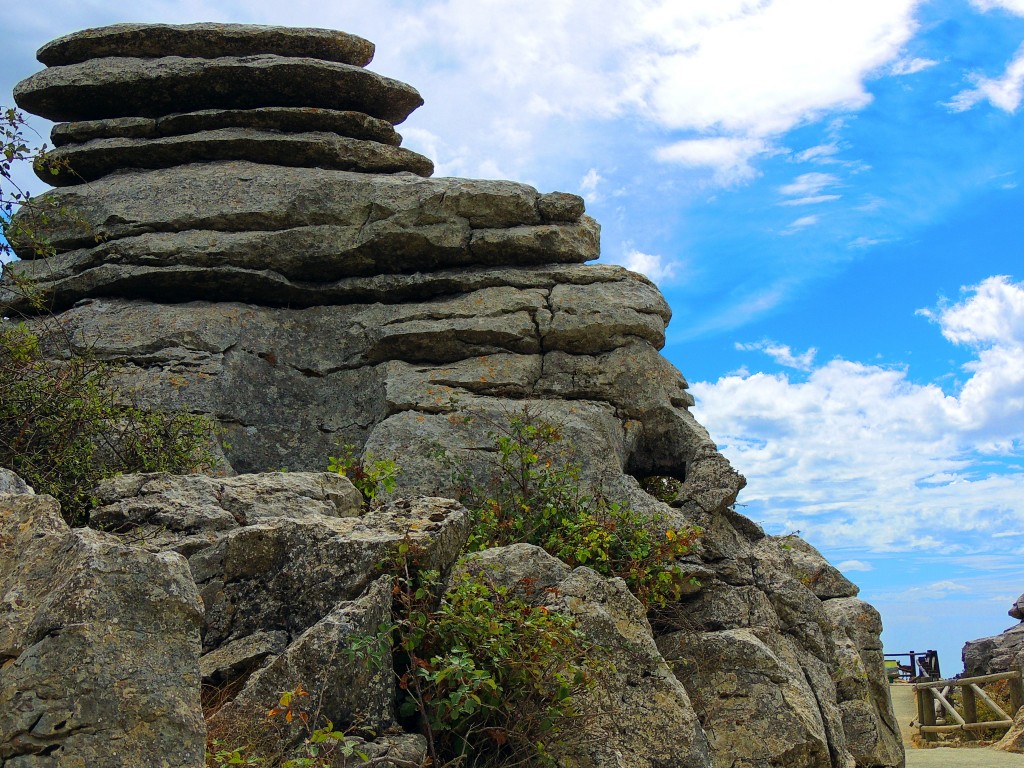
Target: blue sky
829 194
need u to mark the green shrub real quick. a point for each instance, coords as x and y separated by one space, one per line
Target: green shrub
535 495
66 424
373 478
491 679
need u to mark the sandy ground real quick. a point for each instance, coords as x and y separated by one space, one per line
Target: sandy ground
943 757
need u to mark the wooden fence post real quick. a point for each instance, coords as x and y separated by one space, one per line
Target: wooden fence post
925 711
1016 694
970 710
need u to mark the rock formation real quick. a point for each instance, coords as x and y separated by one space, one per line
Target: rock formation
1000 653
238 232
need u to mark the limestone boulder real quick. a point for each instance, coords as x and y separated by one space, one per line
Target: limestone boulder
348 682
999 653
272 554
751 696
205 41
643 716
133 87
80 163
12 485
191 512
814 571
1013 741
1017 609
99 647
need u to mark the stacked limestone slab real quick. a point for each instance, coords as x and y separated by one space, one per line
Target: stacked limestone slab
251 243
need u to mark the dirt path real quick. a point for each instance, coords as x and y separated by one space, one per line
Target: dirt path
943 757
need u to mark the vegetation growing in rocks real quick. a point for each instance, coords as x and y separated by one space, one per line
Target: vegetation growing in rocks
65 421
489 678
536 495
372 477
67 424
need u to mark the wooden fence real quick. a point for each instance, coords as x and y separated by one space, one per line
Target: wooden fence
931 698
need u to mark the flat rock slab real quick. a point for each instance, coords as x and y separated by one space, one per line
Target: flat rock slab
79 163
240 196
205 41
305 267
127 87
355 125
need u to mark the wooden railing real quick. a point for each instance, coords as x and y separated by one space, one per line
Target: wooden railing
931 698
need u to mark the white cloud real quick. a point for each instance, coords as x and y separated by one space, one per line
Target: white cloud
812 200
860 453
1013 6
728 158
809 184
782 354
907 66
806 189
854 566
802 223
657 268
1003 92
588 185
822 153
737 69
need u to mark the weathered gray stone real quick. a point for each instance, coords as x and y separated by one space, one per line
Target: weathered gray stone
205 41
1013 741
79 163
129 87
355 125
642 716
1017 609
191 512
12 484
814 571
751 696
240 196
99 647
347 685
290 573
999 653
311 266
241 656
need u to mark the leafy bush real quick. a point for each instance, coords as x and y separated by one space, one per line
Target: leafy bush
536 496
66 424
372 477
492 679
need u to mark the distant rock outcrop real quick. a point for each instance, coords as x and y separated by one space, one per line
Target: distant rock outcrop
999 653
254 245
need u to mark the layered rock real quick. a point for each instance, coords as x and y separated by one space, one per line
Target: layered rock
259 255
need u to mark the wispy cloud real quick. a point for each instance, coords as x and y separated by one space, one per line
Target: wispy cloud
908 66
1003 92
855 566
729 159
589 184
799 224
782 354
657 268
1013 6
822 153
